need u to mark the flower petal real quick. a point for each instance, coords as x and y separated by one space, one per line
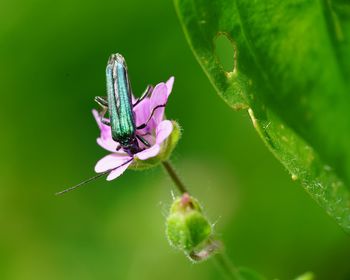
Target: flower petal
169 84
119 171
149 138
105 140
104 129
159 98
109 144
163 131
159 95
148 153
111 161
142 111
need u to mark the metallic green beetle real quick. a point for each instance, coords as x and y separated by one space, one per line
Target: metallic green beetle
120 107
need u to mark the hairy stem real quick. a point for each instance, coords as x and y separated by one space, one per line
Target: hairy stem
171 171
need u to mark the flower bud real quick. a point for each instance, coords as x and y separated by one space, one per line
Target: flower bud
186 226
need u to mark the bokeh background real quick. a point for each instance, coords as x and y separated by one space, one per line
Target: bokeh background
52 61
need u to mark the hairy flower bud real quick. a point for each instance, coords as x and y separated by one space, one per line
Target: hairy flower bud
186 226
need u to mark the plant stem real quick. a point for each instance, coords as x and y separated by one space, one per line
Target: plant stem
171 171
226 266
223 262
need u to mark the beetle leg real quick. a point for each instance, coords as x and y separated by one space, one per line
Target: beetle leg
143 140
147 133
147 91
150 117
102 101
106 122
102 114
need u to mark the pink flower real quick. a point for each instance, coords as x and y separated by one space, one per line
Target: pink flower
155 132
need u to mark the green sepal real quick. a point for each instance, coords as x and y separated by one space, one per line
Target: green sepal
171 142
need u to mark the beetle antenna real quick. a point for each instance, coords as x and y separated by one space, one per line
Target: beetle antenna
91 179
82 183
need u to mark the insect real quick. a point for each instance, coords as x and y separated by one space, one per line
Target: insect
119 105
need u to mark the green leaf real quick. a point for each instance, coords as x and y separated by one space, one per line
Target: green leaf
291 70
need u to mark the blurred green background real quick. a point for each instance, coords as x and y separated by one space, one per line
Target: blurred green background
52 62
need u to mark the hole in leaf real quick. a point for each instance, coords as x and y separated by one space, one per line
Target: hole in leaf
225 52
